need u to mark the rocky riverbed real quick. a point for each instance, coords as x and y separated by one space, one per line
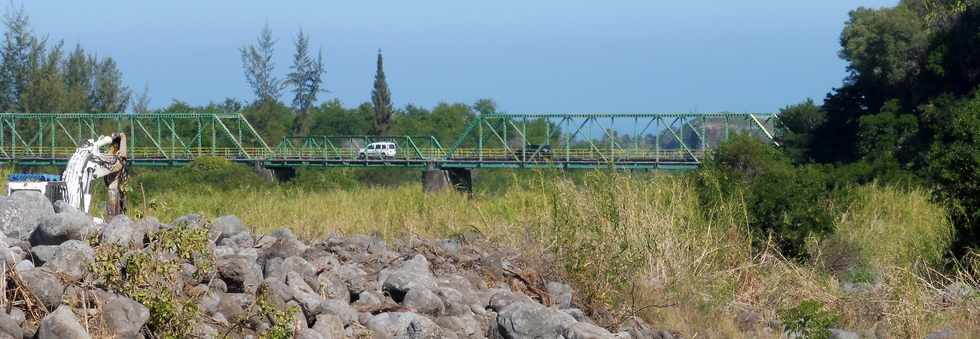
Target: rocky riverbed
67 277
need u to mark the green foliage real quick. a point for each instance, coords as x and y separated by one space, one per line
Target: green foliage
151 276
381 99
282 319
954 161
786 202
808 320
210 172
795 128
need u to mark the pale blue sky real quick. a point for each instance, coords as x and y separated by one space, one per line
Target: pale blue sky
529 56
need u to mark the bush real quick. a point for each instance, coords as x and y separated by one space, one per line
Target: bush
808 320
789 203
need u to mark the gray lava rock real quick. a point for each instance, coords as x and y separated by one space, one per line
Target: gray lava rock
356 279
424 301
329 326
24 265
369 298
238 240
306 333
944 334
225 226
332 286
532 320
190 220
21 212
71 258
124 317
502 299
560 294
338 308
463 326
61 324
586 331
58 228
303 293
842 334
409 274
404 325
43 253
281 243
45 285
122 231
231 306
150 225
10 327
577 314
241 273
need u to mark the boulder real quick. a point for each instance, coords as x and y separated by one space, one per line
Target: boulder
150 225
463 326
560 294
354 276
408 274
239 272
224 227
21 212
424 301
532 320
581 330
329 326
43 253
306 333
331 286
44 285
71 258
231 306
10 327
123 232
340 309
124 317
190 220
58 228
24 265
238 240
303 294
61 324
281 243
404 325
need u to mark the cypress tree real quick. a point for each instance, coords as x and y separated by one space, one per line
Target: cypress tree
381 98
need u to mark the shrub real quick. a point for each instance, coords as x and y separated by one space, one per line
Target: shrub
808 320
151 278
789 203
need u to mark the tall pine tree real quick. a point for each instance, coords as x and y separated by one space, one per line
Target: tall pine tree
381 98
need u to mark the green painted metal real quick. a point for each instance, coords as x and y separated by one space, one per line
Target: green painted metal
656 141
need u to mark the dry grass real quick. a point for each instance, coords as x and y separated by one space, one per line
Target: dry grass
649 248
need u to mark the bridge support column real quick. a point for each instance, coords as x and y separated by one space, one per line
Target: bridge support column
275 174
435 180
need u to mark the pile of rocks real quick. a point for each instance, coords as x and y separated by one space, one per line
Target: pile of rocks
339 287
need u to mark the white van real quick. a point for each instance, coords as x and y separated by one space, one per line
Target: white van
380 150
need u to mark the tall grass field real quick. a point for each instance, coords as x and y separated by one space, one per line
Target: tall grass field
642 245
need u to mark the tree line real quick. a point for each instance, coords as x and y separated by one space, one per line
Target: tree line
909 109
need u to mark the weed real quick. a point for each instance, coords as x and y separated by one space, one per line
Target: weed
808 320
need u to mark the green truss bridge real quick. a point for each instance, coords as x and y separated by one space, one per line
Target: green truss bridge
622 141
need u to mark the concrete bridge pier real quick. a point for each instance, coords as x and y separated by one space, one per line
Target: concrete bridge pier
275 174
435 179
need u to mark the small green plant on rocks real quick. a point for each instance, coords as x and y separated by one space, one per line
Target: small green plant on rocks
282 320
152 276
808 320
